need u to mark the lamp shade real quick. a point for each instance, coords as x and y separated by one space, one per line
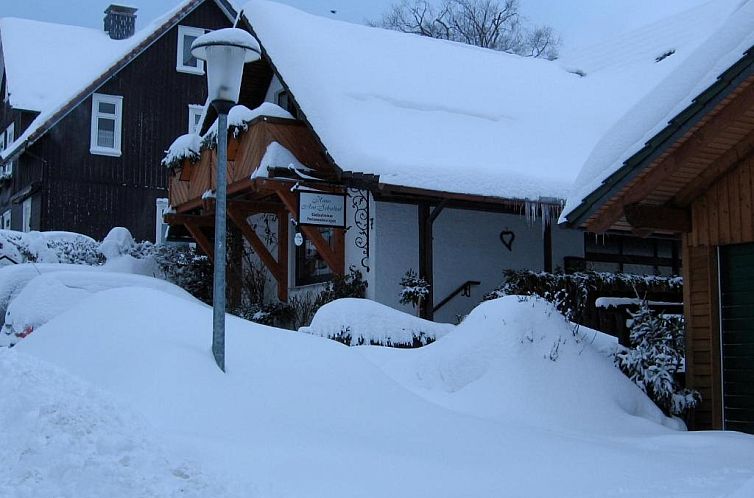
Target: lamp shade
225 52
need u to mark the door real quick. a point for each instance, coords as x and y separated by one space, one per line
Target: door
26 215
737 336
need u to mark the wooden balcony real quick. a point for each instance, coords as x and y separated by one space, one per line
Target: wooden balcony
250 193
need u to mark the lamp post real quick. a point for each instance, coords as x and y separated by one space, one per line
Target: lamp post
225 52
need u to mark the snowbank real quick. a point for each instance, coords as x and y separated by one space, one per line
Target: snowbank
63 437
362 321
483 411
50 294
542 369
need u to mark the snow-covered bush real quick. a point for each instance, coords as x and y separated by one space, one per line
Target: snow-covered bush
414 289
357 322
184 147
572 293
656 355
49 247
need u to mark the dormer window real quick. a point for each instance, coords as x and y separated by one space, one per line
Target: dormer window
107 118
187 63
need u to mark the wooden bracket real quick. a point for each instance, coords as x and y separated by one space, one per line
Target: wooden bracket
334 257
201 238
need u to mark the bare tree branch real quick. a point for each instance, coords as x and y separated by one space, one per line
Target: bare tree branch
494 24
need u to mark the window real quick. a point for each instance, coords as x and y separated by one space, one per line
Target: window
285 101
310 267
194 117
5 220
107 115
161 205
187 63
7 139
26 215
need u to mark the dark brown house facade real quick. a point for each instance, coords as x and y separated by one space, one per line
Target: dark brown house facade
695 180
94 161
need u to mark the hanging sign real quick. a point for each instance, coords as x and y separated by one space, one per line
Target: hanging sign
321 209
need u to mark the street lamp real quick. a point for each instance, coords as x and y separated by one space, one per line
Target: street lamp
225 52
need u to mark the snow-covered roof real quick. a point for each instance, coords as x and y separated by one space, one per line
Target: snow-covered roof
657 110
49 65
442 116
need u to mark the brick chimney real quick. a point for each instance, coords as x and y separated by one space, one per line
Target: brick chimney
120 21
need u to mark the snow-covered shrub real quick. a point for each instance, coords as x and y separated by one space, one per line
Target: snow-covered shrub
656 355
118 242
184 147
414 289
49 247
181 265
357 322
572 293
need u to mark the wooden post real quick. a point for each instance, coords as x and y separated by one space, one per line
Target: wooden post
547 246
234 267
425 260
283 255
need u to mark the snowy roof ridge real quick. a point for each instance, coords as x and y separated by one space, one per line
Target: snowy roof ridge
120 53
439 116
628 142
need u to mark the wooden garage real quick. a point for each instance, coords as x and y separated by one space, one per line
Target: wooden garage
694 179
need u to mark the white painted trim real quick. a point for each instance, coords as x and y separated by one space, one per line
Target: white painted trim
5 220
161 205
26 215
195 110
117 100
184 31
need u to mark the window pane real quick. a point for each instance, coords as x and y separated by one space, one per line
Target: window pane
106 133
188 59
106 108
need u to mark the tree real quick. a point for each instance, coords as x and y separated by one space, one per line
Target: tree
656 356
494 24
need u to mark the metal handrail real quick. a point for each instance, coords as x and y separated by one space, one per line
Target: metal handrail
464 288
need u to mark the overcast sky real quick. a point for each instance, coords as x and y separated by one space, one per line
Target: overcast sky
580 22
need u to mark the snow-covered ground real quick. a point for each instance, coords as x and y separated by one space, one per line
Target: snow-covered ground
509 403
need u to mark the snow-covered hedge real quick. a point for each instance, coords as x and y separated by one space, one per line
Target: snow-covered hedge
572 293
357 322
49 247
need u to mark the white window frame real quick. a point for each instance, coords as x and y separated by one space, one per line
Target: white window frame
26 215
184 31
9 137
161 205
6 220
98 98
193 111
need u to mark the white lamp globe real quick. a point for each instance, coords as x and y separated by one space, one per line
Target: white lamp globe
225 52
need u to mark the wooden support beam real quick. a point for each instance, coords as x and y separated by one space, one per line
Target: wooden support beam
547 249
706 135
283 255
254 207
256 243
427 218
184 219
201 239
648 219
332 256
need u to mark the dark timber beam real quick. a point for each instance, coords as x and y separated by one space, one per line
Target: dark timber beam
547 235
184 219
427 218
201 238
256 243
647 219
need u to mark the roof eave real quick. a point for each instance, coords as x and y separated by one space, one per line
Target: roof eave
677 127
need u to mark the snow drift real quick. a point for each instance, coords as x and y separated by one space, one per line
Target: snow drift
482 412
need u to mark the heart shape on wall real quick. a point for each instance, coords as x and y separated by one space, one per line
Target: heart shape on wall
507 237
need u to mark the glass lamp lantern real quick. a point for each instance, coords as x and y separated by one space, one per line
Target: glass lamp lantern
225 52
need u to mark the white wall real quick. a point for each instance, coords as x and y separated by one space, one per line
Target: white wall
467 246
